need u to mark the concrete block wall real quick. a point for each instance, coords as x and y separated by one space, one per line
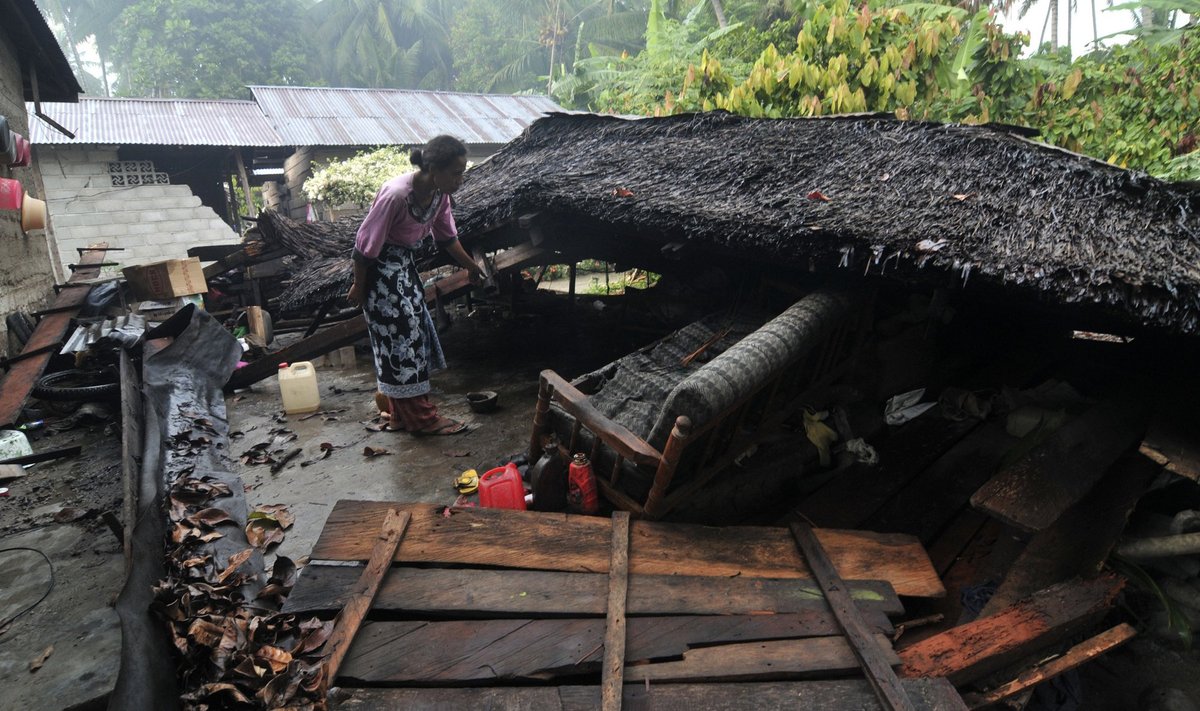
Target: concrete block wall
26 262
150 222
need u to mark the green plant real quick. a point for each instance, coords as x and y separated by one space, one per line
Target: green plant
356 180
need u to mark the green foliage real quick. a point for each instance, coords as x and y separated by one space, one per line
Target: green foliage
384 43
356 180
208 48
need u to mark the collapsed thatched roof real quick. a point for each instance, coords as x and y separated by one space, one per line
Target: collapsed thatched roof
901 195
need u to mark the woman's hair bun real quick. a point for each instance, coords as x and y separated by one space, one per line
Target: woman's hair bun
414 157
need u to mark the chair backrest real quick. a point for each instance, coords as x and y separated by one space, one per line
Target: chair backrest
749 364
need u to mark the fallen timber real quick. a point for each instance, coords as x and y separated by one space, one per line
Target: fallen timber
354 329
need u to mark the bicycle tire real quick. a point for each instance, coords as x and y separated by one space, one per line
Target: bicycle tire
20 325
47 388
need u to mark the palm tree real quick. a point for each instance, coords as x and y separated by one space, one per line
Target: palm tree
384 43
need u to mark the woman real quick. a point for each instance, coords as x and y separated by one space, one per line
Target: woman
407 211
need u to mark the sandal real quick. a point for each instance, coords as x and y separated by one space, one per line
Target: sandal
449 427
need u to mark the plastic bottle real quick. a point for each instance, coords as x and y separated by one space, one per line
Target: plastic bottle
581 487
298 388
501 488
14 444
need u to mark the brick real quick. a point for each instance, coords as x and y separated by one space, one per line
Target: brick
153 215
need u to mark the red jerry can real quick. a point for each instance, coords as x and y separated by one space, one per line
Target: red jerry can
501 488
581 487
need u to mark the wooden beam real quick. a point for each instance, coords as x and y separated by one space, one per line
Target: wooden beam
1079 654
875 657
969 652
624 442
613 670
351 616
551 541
1033 492
332 338
476 592
18 383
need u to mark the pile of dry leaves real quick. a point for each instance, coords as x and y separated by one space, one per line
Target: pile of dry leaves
236 650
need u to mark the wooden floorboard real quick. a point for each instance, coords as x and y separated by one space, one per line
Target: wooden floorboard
1080 540
837 695
419 651
935 496
850 499
548 541
1034 491
477 592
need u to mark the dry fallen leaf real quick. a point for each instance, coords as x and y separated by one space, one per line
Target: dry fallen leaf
374 451
235 561
622 192
262 534
275 657
456 453
963 196
209 517
41 659
273 512
818 195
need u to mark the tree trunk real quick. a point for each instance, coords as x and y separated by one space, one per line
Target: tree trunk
1054 25
720 13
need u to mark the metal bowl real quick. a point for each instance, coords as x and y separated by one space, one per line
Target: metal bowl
483 401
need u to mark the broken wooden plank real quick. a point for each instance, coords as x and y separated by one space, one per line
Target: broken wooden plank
421 651
320 343
1033 492
1079 654
928 694
875 659
17 384
849 499
775 659
46 455
475 592
612 672
1172 438
550 541
969 652
11 472
1080 540
352 615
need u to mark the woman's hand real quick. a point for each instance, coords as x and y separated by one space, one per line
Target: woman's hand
355 296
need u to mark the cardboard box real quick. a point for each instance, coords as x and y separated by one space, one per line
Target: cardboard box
162 281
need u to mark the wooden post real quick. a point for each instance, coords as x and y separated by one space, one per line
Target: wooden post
573 271
363 594
876 667
131 449
251 210
541 420
256 324
613 672
673 450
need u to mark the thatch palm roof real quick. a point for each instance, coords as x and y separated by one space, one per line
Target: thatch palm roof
975 201
908 199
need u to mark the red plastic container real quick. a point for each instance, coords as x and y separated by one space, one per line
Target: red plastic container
501 488
581 487
12 194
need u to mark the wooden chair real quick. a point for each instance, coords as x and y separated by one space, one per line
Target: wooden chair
711 416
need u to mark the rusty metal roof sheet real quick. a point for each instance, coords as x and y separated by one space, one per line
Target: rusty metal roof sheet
161 122
315 116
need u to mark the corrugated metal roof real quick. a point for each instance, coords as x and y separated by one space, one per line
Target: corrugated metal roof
160 122
316 116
